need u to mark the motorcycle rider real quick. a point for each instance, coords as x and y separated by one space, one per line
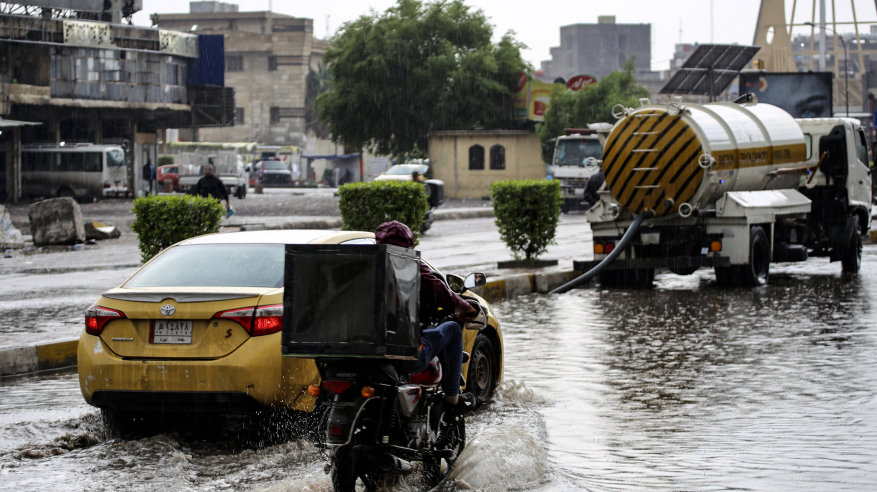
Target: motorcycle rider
444 340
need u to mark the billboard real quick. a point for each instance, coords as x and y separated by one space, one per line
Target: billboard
801 94
532 97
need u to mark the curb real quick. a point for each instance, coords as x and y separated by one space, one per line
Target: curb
338 223
527 283
22 360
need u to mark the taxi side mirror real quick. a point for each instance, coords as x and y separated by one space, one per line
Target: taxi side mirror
474 280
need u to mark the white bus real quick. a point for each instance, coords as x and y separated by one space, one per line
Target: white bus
77 171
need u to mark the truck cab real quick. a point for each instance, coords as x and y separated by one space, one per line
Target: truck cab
575 159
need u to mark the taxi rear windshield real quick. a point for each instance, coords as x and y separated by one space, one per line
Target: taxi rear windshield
214 265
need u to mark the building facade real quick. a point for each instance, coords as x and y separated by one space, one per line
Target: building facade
599 49
469 161
267 56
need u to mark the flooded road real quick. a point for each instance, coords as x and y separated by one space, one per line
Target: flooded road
682 387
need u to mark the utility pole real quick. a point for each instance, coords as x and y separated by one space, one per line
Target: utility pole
821 35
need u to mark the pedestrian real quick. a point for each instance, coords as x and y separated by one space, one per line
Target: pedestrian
415 176
148 176
211 186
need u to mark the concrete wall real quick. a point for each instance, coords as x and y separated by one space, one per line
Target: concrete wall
449 159
599 49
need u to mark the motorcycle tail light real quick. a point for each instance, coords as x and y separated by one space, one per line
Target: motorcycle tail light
336 431
336 387
96 317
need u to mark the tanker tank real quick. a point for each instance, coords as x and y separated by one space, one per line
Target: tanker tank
677 159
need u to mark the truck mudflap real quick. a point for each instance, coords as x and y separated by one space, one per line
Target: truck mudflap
677 262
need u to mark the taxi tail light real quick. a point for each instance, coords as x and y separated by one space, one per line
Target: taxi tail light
335 386
268 320
244 316
97 316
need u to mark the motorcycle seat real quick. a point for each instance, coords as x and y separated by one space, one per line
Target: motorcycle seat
431 376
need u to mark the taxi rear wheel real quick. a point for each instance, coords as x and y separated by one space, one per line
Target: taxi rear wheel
481 379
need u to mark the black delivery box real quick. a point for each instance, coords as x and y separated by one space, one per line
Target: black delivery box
351 301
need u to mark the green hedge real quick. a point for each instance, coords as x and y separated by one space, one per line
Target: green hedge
365 206
527 213
161 221
165 160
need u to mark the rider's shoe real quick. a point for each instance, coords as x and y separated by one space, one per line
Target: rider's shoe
465 404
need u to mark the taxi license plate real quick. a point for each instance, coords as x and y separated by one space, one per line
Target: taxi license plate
171 331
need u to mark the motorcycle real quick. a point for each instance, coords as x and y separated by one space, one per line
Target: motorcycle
381 419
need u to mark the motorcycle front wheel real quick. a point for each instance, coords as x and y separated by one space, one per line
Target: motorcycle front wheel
454 440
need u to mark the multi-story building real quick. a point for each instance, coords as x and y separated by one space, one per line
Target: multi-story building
599 49
267 56
82 80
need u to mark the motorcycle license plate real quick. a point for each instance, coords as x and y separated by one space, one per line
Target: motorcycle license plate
170 331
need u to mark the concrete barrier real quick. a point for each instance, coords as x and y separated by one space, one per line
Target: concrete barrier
56 221
22 360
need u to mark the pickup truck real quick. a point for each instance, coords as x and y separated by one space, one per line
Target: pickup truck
228 167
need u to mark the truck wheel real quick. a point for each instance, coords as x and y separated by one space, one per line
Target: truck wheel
757 271
852 259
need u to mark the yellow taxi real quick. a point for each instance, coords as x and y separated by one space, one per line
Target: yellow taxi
198 329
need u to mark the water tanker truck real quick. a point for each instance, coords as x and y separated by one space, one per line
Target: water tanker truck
731 186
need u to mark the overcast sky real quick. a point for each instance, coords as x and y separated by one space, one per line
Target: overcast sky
537 23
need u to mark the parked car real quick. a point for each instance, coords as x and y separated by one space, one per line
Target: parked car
271 171
171 172
402 172
209 340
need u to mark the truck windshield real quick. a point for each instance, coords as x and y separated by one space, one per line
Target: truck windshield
274 165
574 152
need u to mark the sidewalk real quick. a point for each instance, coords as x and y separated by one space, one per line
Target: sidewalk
46 293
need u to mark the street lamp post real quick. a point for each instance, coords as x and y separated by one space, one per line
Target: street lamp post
846 63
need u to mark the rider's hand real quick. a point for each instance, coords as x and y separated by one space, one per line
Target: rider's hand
469 315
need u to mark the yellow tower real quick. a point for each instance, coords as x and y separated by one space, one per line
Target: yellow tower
772 34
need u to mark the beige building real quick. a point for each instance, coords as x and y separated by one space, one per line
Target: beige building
469 161
267 56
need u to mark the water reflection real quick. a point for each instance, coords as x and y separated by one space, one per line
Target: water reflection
690 386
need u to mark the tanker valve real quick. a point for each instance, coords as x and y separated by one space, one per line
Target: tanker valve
685 210
706 161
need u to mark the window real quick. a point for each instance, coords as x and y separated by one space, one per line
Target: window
238 116
808 143
278 113
115 158
92 162
275 114
476 158
497 157
862 147
286 61
234 63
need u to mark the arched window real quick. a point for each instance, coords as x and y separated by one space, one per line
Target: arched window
476 158
497 157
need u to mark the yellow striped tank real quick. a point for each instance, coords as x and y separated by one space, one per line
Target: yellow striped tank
659 157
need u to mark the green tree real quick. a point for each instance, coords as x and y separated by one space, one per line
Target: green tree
592 104
417 68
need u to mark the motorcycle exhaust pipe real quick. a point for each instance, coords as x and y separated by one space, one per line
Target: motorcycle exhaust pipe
388 463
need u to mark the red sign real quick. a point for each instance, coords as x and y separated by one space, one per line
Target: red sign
578 81
522 81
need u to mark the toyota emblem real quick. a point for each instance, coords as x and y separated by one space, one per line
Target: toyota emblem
167 310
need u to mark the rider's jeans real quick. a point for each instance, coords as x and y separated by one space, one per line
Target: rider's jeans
446 342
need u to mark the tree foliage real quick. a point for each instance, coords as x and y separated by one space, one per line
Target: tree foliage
592 104
417 68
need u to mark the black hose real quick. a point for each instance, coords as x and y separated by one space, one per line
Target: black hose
609 259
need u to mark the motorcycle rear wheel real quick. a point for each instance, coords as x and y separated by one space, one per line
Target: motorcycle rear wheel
344 474
455 439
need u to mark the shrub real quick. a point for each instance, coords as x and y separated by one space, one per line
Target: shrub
165 160
365 206
161 221
527 213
